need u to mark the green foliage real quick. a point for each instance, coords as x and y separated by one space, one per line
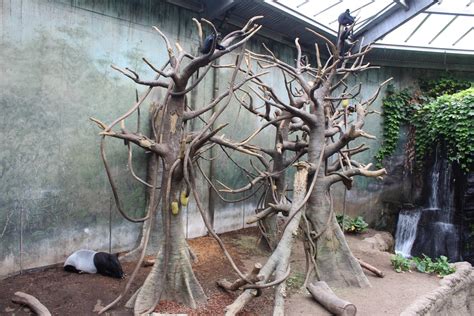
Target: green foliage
448 119
396 110
445 85
440 266
352 225
400 263
425 264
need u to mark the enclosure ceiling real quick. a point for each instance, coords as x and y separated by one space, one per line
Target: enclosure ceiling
446 26
283 24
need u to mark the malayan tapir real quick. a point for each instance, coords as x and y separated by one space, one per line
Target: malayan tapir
90 261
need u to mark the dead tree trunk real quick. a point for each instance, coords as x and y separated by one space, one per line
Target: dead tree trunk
315 103
176 149
278 263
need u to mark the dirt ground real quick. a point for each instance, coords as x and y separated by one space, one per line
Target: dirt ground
82 294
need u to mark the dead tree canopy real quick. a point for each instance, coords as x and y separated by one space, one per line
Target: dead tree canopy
319 116
174 149
325 114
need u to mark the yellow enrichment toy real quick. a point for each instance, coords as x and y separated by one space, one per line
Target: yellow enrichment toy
184 198
174 207
345 103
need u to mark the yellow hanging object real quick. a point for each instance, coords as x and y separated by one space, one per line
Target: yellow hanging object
345 103
184 199
174 207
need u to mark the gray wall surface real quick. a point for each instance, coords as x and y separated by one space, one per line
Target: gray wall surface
55 74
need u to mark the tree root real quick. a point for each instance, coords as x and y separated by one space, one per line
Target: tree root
179 276
32 302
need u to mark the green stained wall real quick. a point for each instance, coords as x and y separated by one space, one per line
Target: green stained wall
55 74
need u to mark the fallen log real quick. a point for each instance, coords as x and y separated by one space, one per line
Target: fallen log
371 268
252 276
32 302
323 294
148 262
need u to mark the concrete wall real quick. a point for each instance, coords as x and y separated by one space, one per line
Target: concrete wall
54 60
55 74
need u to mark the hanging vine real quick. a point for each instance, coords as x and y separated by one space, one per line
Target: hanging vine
436 113
450 119
396 106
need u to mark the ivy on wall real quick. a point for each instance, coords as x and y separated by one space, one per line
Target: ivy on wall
395 107
438 113
449 118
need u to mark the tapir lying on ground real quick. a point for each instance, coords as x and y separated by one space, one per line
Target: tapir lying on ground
90 261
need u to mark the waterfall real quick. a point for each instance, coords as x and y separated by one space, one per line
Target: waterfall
431 230
406 231
433 201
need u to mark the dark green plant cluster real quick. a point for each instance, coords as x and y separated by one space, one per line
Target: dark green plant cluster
425 264
448 119
396 109
400 263
352 225
445 85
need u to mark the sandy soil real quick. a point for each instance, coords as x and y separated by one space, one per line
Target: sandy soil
79 294
387 296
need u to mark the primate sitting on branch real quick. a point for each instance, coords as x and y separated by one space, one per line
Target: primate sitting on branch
208 41
345 20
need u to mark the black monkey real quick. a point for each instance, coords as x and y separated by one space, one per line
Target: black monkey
346 18
208 41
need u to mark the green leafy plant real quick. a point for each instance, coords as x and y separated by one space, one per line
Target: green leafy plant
352 225
400 263
423 264
448 119
396 108
445 85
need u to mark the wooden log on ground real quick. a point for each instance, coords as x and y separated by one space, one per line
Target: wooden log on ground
371 268
323 294
252 276
148 262
32 302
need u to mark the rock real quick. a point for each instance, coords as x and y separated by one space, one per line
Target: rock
381 241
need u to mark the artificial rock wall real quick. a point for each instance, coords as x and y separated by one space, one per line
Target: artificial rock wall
455 296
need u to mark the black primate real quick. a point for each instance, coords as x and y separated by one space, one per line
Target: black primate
346 18
207 45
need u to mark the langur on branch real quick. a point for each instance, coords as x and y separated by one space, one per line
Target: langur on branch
208 41
345 20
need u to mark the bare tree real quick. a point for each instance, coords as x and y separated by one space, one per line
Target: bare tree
176 148
318 106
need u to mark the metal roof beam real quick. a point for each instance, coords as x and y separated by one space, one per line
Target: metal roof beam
215 8
391 19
